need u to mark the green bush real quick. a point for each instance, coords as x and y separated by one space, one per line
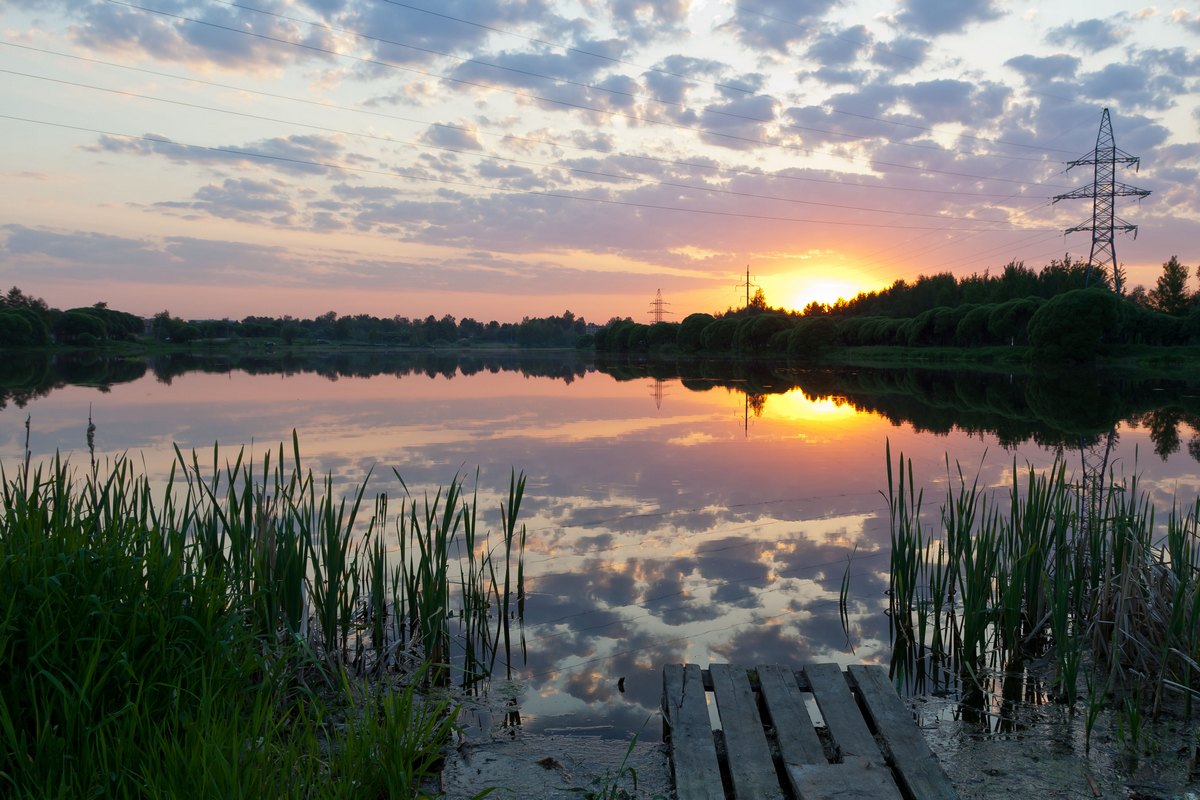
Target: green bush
690 330
1077 325
662 334
811 337
718 335
972 329
754 333
1008 322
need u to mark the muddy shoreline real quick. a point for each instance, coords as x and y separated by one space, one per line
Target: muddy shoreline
1043 753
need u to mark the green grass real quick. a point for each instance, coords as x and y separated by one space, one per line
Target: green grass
243 632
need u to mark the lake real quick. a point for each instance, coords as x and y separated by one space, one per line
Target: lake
695 512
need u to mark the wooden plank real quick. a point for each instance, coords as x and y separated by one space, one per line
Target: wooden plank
853 779
693 753
842 717
750 766
917 767
798 740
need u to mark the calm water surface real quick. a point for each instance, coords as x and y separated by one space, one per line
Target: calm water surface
665 523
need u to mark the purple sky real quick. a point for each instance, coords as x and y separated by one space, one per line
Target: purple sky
498 160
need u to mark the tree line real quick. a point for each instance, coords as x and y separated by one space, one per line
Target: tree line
1063 311
27 321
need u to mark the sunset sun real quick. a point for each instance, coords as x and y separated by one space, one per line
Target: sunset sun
826 286
826 291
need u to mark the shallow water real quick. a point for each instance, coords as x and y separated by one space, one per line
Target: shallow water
669 520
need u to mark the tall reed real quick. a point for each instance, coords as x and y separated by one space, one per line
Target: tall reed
166 644
1053 570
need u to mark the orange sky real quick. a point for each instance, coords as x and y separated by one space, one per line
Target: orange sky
503 160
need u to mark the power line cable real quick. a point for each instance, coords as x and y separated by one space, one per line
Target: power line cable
446 181
893 54
657 70
619 92
507 135
483 155
875 163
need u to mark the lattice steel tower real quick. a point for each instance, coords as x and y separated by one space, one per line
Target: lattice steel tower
658 307
1104 192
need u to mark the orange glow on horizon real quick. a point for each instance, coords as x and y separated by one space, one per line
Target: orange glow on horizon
825 285
826 291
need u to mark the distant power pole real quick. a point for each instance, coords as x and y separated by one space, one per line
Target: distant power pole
656 308
748 285
1104 192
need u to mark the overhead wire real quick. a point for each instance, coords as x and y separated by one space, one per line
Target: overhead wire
483 130
660 71
617 92
240 152
892 54
875 163
922 231
507 159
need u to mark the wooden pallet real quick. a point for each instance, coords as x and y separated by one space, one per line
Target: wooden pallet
772 750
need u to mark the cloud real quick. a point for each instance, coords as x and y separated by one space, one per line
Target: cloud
840 48
902 54
667 82
1176 62
1042 69
1181 16
744 118
241 199
47 247
834 77
539 71
459 136
1090 34
946 100
1132 86
298 154
777 24
202 34
81 255
644 21
457 26
936 17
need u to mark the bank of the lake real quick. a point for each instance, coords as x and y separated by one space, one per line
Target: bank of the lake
687 510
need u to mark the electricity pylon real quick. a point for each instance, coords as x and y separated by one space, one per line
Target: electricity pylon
656 308
1104 192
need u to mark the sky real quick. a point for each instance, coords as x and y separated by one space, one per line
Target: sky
496 160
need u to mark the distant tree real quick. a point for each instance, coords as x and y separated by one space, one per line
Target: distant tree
15 298
815 308
77 326
1139 297
758 302
1170 295
1016 282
